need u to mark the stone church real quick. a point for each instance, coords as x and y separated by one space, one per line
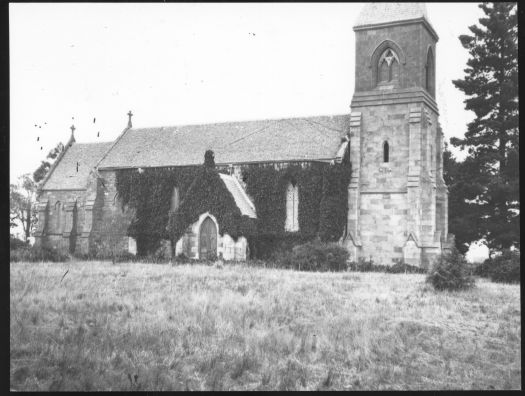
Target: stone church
397 200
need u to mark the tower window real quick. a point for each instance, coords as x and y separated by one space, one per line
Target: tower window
388 67
292 207
429 73
386 152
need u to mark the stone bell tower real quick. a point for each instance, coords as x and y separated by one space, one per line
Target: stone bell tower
397 197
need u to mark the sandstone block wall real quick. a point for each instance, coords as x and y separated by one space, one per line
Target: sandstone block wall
110 220
61 229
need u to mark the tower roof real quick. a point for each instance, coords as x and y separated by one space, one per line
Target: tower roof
379 13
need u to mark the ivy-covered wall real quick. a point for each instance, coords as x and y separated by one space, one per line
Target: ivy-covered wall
323 202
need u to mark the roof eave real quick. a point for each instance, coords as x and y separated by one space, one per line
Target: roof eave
323 160
397 23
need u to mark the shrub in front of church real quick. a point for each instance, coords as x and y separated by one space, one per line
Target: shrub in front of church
315 256
504 268
37 254
450 272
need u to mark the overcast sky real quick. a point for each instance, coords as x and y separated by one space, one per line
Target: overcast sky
194 63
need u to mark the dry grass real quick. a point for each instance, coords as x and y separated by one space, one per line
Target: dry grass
158 327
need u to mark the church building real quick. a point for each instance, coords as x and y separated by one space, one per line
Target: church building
275 180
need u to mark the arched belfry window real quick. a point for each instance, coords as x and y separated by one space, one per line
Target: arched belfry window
430 73
386 152
292 207
388 67
175 199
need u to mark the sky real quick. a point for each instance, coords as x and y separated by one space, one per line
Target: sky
88 64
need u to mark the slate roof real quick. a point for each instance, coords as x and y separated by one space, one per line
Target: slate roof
65 175
375 13
311 138
242 200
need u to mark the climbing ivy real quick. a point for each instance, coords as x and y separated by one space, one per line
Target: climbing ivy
149 192
208 193
323 202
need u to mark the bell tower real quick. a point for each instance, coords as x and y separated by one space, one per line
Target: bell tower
397 197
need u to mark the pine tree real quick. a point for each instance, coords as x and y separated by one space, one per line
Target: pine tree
463 213
492 139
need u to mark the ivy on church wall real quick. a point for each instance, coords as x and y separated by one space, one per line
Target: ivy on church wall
149 193
323 201
323 198
208 193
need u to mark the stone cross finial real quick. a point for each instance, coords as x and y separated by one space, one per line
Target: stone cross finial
72 138
130 114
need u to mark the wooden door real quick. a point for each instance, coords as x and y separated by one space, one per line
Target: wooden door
208 240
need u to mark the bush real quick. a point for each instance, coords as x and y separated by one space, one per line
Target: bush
35 254
400 267
15 243
450 272
315 256
504 268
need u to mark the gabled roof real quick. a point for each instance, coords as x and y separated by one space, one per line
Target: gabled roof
242 200
293 139
64 176
378 13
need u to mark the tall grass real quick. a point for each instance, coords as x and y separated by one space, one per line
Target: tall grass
160 327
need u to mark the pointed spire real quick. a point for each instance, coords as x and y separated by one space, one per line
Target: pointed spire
130 114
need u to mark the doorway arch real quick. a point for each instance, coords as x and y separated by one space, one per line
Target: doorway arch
208 239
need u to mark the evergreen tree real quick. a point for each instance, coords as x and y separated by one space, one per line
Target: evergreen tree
492 139
463 212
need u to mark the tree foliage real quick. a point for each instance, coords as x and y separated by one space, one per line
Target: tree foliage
492 140
41 172
22 204
463 212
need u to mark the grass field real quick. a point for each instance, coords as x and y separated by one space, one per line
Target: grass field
162 327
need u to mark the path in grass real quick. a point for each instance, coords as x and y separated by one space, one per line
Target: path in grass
162 327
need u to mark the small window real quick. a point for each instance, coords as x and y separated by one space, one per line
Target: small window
175 199
292 207
386 152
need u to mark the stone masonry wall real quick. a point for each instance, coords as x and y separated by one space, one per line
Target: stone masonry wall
413 39
110 221
60 225
383 205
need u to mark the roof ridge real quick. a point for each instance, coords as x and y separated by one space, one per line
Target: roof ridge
243 121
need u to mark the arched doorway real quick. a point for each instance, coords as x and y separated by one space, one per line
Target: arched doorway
208 240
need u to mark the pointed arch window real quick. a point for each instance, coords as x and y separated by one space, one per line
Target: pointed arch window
292 207
430 73
386 152
175 199
58 216
388 67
